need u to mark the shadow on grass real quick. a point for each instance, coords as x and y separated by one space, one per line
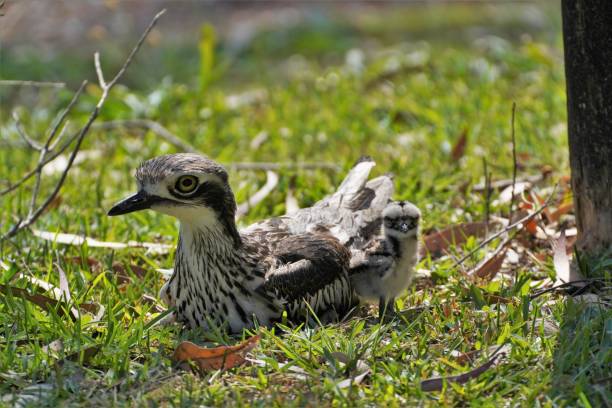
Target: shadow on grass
582 363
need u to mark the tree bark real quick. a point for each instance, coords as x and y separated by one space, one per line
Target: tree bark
587 37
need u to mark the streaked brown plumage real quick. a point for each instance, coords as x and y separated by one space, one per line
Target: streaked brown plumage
290 264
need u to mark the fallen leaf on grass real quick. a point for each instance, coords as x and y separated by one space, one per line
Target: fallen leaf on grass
506 195
437 383
459 148
500 184
488 268
217 358
353 380
46 303
563 209
122 274
72 239
356 376
42 301
63 281
564 272
437 243
83 356
150 300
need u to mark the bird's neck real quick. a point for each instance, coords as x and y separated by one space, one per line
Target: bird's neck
210 241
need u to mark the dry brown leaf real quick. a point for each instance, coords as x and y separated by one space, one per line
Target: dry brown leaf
561 262
217 358
48 303
44 302
560 259
488 268
63 281
560 211
495 299
87 354
437 243
459 148
437 383
356 380
519 188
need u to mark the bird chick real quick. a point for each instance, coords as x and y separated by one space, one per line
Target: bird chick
385 267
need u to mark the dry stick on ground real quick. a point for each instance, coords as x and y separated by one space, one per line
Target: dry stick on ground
514 164
505 230
35 212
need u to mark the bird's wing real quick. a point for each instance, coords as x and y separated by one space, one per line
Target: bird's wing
374 258
352 214
304 264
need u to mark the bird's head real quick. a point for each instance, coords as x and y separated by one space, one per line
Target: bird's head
187 186
401 219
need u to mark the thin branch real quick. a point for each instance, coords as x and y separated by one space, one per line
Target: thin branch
99 73
34 214
60 119
59 137
514 164
505 230
130 57
36 84
62 116
154 127
50 157
21 131
487 194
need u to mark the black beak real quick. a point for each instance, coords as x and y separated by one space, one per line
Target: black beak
404 227
136 202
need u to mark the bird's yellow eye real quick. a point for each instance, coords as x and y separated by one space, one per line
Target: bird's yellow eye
186 184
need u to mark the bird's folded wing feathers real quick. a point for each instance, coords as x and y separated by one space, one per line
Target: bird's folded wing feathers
305 264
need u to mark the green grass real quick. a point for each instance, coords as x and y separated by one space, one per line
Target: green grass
406 108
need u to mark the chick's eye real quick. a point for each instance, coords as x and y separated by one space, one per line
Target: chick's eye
186 184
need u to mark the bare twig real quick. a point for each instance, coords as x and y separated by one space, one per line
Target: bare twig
34 212
37 84
49 157
437 383
505 230
514 164
21 131
154 127
487 194
99 73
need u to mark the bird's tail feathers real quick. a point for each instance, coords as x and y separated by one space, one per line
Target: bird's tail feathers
353 183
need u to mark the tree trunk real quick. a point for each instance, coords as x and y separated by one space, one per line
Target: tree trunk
587 37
